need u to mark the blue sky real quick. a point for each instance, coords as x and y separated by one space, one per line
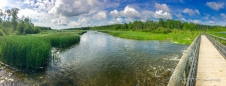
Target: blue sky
81 13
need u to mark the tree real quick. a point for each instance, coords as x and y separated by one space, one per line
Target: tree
14 13
161 22
8 13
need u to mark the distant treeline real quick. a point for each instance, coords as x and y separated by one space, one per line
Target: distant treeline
44 28
161 26
11 24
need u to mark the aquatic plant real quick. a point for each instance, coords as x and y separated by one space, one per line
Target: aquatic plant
26 52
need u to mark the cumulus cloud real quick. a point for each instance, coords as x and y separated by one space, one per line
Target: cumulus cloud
161 14
191 11
215 5
162 7
71 8
116 20
100 16
128 11
115 14
82 21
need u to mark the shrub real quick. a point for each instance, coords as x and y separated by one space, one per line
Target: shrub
2 32
162 30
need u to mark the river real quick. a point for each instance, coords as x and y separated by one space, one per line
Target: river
100 59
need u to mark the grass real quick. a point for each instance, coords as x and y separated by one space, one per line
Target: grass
25 52
33 51
220 34
177 36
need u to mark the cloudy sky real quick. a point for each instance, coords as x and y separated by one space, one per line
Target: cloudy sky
81 13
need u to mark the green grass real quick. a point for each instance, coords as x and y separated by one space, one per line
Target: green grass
25 52
33 51
183 37
219 34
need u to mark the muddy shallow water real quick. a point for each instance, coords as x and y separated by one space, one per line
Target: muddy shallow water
103 60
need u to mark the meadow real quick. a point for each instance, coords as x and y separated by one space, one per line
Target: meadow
33 51
176 36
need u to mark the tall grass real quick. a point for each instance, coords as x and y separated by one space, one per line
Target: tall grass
33 51
62 40
25 52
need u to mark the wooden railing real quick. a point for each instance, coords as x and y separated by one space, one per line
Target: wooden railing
217 42
185 71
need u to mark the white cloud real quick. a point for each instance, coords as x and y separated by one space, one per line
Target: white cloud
223 16
115 14
214 18
34 15
215 5
130 12
74 8
211 22
146 14
100 16
191 12
82 21
161 14
162 7
3 3
116 20
183 19
179 15
196 21
207 17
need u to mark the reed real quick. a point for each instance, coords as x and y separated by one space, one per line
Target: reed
25 52
33 51
61 40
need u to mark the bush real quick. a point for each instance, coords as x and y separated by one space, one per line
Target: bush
162 30
2 32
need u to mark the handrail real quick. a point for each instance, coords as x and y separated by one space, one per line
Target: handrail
185 71
216 41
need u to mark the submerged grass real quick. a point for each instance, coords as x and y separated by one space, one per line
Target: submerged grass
177 36
33 51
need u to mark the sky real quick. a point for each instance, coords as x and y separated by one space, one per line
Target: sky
59 14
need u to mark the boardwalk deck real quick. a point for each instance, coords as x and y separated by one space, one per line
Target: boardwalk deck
211 65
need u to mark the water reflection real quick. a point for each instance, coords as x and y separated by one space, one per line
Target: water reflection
100 59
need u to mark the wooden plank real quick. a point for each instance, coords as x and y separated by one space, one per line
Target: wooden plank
211 65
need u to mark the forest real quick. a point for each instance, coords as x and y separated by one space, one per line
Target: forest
161 26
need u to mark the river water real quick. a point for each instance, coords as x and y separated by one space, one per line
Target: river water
100 59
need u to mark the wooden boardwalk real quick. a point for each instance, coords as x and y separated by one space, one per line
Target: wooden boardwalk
211 65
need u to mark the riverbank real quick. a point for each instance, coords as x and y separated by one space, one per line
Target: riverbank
176 36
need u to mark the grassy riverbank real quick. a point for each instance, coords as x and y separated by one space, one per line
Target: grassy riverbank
220 34
33 51
177 36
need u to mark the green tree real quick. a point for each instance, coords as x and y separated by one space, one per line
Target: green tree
161 22
14 13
